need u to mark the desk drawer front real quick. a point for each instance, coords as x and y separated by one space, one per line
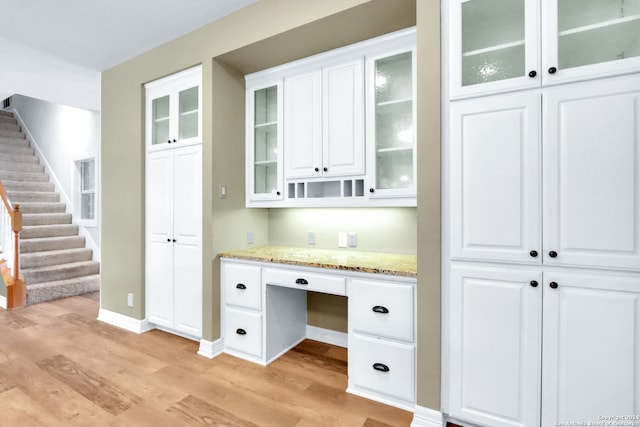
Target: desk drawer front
243 332
382 309
325 283
242 286
382 367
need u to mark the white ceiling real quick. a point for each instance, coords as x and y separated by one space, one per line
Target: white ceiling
98 34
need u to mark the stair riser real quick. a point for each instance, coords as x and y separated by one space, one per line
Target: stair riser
33 208
43 245
40 232
21 167
19 158
11 133
62 273
28 186
44 259
13 127
32 196
20 150
22 176
45 219
48 292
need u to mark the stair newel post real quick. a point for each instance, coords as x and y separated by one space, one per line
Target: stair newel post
16 226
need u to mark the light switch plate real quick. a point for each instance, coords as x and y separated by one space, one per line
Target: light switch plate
342 239
353 239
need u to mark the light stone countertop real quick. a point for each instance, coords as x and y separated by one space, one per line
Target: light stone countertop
366 262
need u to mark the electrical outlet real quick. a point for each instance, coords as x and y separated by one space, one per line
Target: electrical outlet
352 239
130 300
223 191
342 239
249 237
312 238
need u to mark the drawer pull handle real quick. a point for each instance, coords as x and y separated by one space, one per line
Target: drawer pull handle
241 286
241 331
380 309
301 282
381 367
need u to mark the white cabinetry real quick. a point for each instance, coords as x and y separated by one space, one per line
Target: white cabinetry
174 110
498 45
324 121
265 315
542 278
173 223
580 207
341 131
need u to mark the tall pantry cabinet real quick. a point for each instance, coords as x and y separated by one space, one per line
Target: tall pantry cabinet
174 204
542 286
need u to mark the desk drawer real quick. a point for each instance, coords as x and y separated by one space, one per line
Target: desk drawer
316 282
381 309
382 367
243 331
242 286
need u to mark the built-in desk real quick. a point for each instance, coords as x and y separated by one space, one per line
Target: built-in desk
264 311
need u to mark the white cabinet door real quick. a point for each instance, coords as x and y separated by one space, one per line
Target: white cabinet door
495 333
495 178
187 232
303 125
174 239
591 348
592 174
159 269
343 119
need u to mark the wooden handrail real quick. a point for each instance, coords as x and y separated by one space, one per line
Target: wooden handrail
14 281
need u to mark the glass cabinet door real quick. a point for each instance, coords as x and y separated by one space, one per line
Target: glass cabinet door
160 120
494 45
593 32
188 113
266 163
393 111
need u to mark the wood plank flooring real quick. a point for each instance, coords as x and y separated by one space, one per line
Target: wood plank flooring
59 366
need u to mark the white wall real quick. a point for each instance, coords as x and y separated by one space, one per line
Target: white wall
37 74
63 134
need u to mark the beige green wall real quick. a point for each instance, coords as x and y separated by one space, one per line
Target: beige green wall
265 34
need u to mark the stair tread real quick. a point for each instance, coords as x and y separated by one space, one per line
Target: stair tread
55 252
65 266
64 281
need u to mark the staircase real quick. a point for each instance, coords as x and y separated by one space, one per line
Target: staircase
53 257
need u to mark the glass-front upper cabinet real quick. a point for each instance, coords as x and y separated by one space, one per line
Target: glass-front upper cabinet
174 110
498 45
590 38
264 141
391 125
494 45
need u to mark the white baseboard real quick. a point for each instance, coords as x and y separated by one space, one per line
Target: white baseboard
125 322
425 417
3 302
211 349
327 336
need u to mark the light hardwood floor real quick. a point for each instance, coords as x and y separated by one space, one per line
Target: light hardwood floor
59 366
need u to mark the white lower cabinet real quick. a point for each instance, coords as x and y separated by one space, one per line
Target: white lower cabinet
264 308
559 346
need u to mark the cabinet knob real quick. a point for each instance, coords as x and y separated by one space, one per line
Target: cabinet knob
380 309
241 286
553 285
168 141
552 70
553 254
533 254
241 331
277 193
174 140
325 169
371 190
533 73
534 283
317 169
169 240
301 282
381 367
174 240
